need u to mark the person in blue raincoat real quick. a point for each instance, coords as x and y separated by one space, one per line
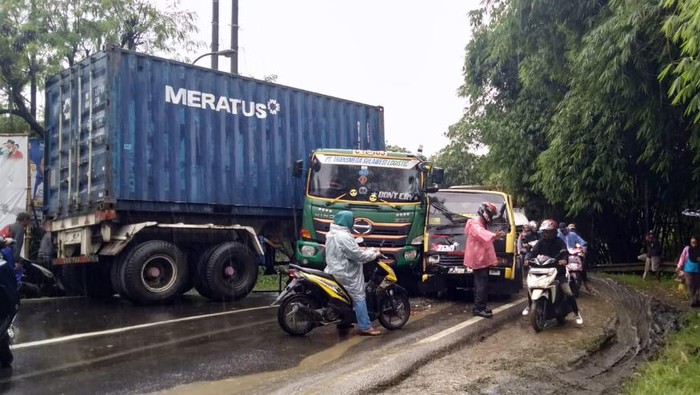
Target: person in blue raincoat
9 300
344 259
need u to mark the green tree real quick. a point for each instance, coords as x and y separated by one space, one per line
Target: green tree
396 148
566 97
39 38
682 27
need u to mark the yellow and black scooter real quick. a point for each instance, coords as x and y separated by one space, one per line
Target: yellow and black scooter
314 298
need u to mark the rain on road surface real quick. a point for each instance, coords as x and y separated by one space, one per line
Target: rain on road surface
76 345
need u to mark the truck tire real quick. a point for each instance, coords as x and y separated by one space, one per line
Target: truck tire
230 272
116 277
200 273
154 272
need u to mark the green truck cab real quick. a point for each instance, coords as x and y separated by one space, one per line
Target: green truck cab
443 256
386 191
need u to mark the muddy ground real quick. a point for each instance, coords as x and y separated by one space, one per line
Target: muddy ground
622 328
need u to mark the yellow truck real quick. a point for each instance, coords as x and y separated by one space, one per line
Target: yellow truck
443 253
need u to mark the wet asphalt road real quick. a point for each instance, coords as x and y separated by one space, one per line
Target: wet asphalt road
82 346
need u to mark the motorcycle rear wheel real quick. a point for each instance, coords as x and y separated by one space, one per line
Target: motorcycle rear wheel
538 318
291 319
394 308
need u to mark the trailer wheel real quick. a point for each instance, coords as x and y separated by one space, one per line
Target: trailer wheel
231 272
154 272
116 277
200 273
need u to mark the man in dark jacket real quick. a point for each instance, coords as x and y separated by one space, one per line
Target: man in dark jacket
8 301
554 247
17 230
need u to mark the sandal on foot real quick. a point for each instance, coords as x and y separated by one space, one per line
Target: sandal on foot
370 332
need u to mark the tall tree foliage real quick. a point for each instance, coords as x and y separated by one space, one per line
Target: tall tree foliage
39 38
566 95
682 27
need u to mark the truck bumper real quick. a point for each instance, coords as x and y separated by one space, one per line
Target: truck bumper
312 254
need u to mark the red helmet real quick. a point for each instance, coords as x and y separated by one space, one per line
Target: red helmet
487 211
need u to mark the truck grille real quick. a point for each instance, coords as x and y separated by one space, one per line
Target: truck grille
379 235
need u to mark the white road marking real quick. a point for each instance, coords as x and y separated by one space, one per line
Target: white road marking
467 323
48 299
129 328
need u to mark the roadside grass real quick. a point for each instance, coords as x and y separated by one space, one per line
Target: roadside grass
268 282
676 369
667 287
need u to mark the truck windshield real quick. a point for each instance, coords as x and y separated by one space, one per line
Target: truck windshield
454 208
365 179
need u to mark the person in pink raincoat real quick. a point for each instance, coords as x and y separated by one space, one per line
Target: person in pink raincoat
480 254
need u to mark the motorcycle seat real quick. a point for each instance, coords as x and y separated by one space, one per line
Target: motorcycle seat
316 272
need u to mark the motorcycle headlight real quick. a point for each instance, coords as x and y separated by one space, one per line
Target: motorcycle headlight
434 259
308 250
417 240
410 255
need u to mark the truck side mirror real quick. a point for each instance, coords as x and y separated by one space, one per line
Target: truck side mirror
298 168
438 175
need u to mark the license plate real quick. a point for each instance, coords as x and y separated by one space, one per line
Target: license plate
494 272
457 270
73 237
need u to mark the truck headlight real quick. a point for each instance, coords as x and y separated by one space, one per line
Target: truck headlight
417 240
308 250
410 255
434 259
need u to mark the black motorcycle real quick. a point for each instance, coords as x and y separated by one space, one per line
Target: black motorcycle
314 298
37 281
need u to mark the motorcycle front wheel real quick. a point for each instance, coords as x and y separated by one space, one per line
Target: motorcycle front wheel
291 316
538 318
394 308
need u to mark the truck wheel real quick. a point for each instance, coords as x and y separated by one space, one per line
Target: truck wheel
231 272
200 273
154 272
116 277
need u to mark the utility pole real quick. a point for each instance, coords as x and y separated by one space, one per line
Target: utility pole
215 34
234 37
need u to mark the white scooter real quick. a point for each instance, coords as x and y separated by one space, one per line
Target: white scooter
548 300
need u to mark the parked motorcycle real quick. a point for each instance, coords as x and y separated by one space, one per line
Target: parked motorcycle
36 281
314 298
548 300
575 269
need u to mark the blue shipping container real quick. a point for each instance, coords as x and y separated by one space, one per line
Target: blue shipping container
140 133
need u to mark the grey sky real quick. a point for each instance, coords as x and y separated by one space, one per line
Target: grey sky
404 55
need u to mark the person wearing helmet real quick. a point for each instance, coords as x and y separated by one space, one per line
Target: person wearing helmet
573 240
570 237
534 227
525 241
527 236
553 246
480 254
344 260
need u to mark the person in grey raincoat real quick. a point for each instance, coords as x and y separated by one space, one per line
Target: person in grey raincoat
344 259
